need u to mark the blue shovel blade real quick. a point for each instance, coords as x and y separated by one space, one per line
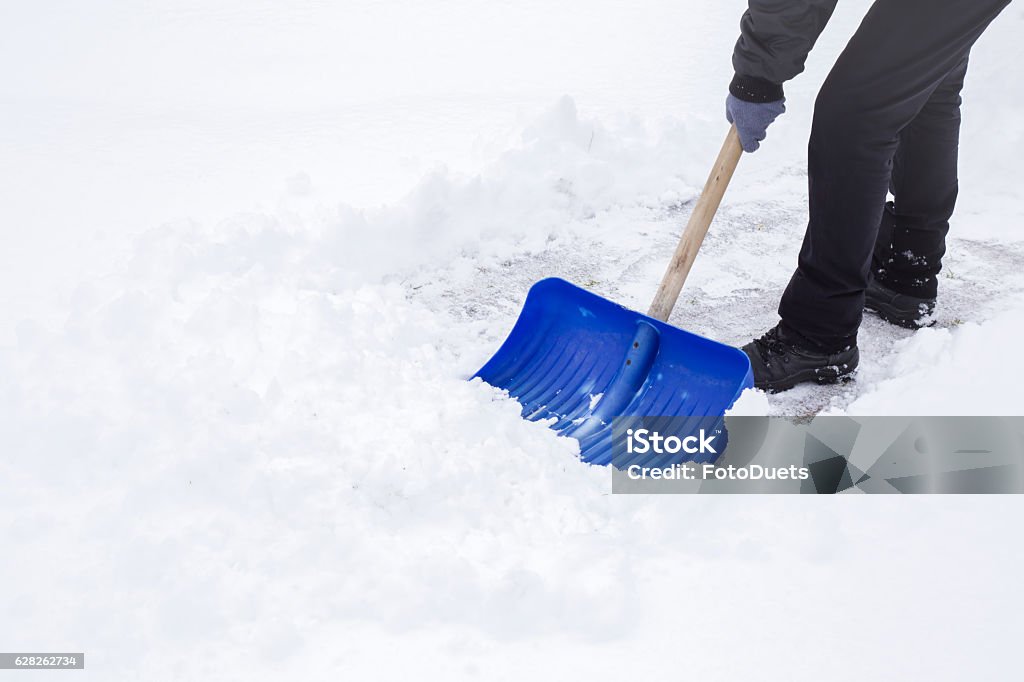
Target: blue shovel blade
582 361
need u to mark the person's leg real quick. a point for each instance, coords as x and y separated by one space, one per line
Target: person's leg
912 237
899 57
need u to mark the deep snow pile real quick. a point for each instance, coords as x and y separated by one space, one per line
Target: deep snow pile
249 451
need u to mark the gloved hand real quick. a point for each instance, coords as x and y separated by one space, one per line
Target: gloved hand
752 119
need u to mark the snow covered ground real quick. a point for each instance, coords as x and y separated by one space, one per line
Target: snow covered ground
251 251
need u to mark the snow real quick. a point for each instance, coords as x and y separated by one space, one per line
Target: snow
966 370
253 252
751 403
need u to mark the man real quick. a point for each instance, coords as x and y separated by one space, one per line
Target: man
887 119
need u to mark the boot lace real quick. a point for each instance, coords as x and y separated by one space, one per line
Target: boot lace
770 344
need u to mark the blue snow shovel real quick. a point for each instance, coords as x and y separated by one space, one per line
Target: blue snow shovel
582 361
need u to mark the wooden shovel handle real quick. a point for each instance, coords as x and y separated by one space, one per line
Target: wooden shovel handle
697 227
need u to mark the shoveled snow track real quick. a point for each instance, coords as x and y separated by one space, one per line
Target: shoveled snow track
733 293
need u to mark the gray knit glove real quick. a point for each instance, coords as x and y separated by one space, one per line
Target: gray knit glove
752 119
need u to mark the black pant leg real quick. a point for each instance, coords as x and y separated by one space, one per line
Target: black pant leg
912 237
901 54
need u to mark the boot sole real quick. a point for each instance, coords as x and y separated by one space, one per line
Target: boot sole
824 376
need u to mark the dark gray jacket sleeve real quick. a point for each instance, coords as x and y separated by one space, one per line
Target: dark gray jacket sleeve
775 39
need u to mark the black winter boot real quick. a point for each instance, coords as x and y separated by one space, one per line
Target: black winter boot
899 309
779 362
